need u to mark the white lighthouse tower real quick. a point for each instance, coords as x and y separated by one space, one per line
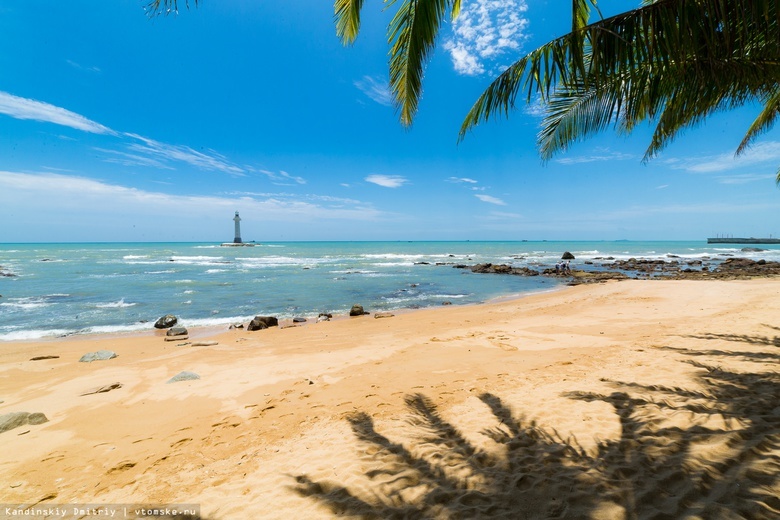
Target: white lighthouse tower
237 220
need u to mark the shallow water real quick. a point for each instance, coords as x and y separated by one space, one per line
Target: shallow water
59 289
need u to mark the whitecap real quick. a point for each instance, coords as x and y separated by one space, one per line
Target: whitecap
115 305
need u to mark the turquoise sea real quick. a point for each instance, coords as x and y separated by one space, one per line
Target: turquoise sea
60 289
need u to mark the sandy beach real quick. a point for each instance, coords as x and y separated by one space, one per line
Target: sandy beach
634 399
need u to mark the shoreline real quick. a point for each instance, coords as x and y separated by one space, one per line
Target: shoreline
535 403
203 331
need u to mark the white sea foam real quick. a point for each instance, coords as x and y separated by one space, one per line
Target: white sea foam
115 305
27 335
26 306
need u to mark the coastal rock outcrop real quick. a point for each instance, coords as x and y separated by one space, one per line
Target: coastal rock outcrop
262 322
183 376
165 322
100 355
177 330
13 420
357 310
503 269
567 256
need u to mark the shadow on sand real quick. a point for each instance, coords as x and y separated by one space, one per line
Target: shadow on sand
709 451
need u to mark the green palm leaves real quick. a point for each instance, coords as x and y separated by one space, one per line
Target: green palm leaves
412 36
672 62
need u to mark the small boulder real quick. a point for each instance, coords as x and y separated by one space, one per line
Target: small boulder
270 321
567 256
299 320
100 355
183 376
357 310
178 330
256 325
166 322
13 420
262 322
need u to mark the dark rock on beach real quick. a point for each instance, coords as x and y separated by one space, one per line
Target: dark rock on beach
184 376
13 420
357 310
262 322
177 330
102 389
166 322
100 355
567 256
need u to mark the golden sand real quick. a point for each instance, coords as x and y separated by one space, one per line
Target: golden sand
638 399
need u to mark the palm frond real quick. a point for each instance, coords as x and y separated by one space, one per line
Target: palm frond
347 14
412 35
678 60
764 121
160 7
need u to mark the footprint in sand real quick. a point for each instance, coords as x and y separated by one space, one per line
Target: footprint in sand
180 442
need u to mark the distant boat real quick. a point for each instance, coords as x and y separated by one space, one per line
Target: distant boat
738 240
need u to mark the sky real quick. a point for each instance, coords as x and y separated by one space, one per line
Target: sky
116 127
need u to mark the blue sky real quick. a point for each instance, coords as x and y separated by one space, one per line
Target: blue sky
117 127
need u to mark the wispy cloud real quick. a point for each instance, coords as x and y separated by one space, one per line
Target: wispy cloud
662 187
24 108
490 199
131 159
376 89
760 153
484 32
459 180
57 193
598 156
745 178
82 67
281 177
169 152
387 181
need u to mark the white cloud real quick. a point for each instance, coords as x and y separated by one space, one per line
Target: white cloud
281 177
131 159
82 67
485 31
376 89
600 155
23 108
387 181
168 152
50 194
490 199
760 153
459 180
745 178
662 187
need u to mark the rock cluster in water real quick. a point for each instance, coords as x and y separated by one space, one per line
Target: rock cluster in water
674 268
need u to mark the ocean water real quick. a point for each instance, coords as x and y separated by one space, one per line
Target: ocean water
63 289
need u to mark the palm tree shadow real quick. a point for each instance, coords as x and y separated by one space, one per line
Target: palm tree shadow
722 460
707 452
442 474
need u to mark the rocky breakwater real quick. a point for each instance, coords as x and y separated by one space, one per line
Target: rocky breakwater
574 277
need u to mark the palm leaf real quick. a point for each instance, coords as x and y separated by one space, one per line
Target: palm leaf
347 14
158 7
412 35
678 60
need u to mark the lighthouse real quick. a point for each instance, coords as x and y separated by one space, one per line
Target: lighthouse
237 220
